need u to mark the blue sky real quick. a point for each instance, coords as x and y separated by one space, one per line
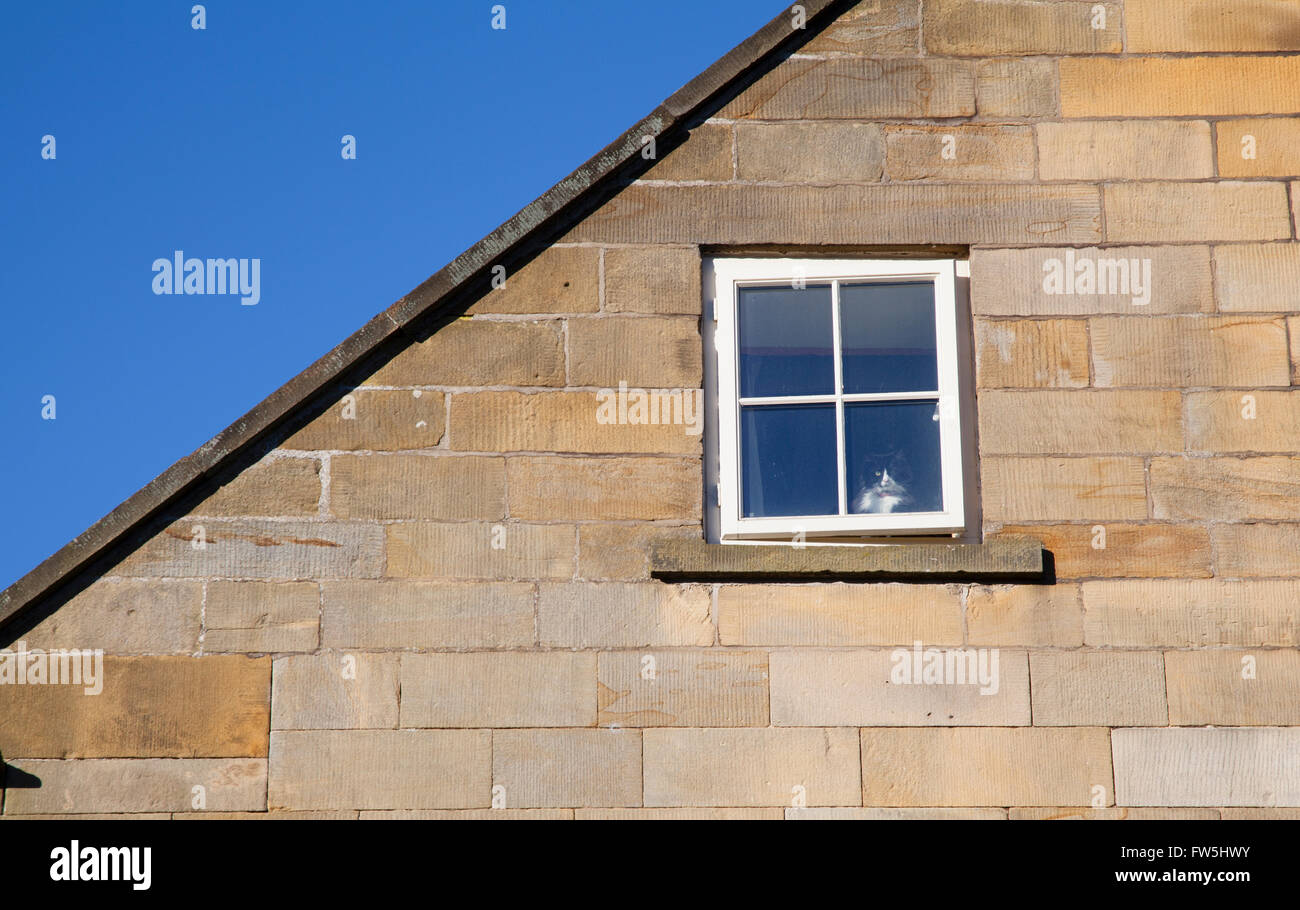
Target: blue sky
226 142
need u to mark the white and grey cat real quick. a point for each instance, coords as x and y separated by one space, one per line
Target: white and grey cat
884 496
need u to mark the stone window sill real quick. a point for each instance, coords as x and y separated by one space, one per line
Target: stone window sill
1004 559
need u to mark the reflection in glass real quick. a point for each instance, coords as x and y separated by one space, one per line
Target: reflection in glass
892 458
785 341
888 338
789 462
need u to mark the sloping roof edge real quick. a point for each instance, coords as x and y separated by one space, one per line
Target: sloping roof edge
536 218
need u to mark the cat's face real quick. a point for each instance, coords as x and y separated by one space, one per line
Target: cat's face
882 497
887 484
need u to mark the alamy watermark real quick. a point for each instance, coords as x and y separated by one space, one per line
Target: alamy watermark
179 275
1087 275
75 863
683 407
60 667
946 667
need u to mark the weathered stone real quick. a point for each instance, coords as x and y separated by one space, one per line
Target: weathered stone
1293 339
1179 86
705 155
586 422
138 785
1233 688
1183 351
655 279
1180 211
1243 421
1098 688
1269 550
282 815
618 489
845 88
126 616
859 688
1258 277
417 486
1155 26
679 814
1125 149
1112 813
660 352
876 28
477 549
709 688
610 552
984 766
818 153
692 558
476 815
986 28
1190 613
477 352
559 280
1207 767
260 549
1017 87
1063 489
567 768
949 154
1092 423
335 691
1123 550
1234 814
261 617
751 767
101 816
139 707
1039 353
279 486
1025 282
1230 489
839 614
1259 148
615 615
418 614
1295 201
1025 615
376 420
507 689
381 769
925 813
907 214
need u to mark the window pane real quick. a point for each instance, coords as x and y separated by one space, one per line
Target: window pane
892 457
888 337
785 341
788 462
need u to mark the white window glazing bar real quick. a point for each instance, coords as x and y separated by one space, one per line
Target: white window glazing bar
851 398
836 348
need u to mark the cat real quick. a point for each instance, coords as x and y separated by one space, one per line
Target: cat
885 496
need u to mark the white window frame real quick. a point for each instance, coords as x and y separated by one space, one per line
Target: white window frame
731 274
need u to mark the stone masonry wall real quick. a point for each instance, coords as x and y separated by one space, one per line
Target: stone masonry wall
440 605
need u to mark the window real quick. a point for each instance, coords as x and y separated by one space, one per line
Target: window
838 398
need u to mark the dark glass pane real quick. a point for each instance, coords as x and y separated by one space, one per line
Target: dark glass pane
891 457
888 337
787 460
785 341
